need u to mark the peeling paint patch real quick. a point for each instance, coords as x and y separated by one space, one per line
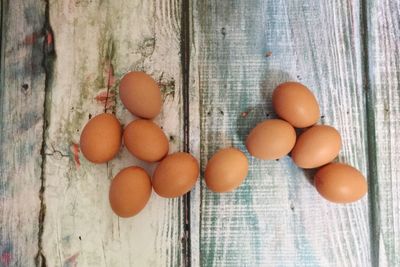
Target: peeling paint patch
30 39
75 152
71 261
49 38
5 258
109 74
106 99
6 255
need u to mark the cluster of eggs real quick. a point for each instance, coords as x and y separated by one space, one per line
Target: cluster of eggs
174 176
316 147
177 173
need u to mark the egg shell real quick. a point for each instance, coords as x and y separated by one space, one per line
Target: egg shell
317 146
271 139
340 183
226 170
296 104
100 139
140 94
176 175
145 140
130 190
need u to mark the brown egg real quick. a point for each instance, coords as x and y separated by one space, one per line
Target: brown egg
271 139
296 104
130 191
145 140
226 170
340 183
140 94
101 138
317 146
176 175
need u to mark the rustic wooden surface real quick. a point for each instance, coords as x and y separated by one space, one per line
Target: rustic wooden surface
96 43
59 59
276 217
383 43
21 128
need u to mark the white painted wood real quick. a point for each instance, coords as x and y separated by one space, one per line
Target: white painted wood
195 136
91 36
21 128
277 218
383 35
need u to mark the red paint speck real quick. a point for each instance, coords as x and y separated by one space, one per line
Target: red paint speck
30 39
5 258
75 152
110 75
49 38
105 100
71 261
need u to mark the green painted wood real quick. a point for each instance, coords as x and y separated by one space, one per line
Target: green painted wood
383 35
22 93
243 49
97 42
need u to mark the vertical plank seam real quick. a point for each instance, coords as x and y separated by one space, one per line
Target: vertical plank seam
2 58
372 170
185 63
47 65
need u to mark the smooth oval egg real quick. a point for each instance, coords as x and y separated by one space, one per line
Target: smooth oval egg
176 175
130 190
296 104
145 140
340 183
100 139
271 139
140 94
317 146
226 170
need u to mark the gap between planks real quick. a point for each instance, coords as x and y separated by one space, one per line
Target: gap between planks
185 65
372 168
47 65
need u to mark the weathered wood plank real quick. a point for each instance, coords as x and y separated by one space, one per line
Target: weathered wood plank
22 93
383 35
244 49
96 43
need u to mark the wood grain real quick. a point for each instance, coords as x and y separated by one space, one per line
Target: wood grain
244 49
96 43
22 94
383 35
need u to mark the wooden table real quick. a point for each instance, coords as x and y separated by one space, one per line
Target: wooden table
217 63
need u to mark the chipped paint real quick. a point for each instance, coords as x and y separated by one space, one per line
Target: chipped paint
74 149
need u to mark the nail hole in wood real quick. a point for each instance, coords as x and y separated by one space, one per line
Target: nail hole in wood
292 206
223 31
25 88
